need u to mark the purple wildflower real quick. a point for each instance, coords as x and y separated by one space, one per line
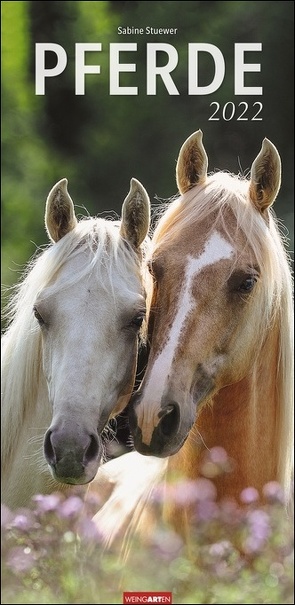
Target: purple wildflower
46 503
70 507
22 522
206 510
218 455
230 513
88 531
273 492
216 462
221 549
93 502
20 559
260 530
205 490
249 495
185 492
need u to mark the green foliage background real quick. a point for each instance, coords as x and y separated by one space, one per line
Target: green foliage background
100 141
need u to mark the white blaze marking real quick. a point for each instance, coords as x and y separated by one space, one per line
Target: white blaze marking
216 249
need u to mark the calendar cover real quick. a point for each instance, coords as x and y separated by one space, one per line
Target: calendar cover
101 93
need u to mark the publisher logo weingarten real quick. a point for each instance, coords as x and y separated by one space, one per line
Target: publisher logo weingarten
147 597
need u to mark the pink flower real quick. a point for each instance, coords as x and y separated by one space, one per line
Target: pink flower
88 531
273 492
22 522
205 490
218 455
71 507
260 530
221 549
46 504
206 510
187 492
249 495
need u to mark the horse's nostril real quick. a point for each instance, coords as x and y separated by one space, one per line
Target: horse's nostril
170 419
48 449
92 449
56 448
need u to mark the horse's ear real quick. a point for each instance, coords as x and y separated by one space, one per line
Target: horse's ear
60 216
192 163
136 214
265 176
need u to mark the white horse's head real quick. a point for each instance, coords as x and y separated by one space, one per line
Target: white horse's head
89 310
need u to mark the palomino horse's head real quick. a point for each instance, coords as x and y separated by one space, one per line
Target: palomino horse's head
212 261
90 313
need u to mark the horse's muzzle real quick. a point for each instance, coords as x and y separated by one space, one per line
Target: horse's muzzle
165 439
72 458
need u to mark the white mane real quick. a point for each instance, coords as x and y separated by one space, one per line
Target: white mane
21 342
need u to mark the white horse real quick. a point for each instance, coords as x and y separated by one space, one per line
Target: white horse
70 349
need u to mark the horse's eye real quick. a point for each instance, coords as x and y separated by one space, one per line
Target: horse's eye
137 321
247 284
39 317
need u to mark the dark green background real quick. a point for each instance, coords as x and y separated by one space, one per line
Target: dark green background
100 141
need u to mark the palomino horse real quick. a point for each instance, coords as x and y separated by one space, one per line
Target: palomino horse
220 366
70 350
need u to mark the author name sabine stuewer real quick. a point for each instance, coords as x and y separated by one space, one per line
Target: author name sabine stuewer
139 31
